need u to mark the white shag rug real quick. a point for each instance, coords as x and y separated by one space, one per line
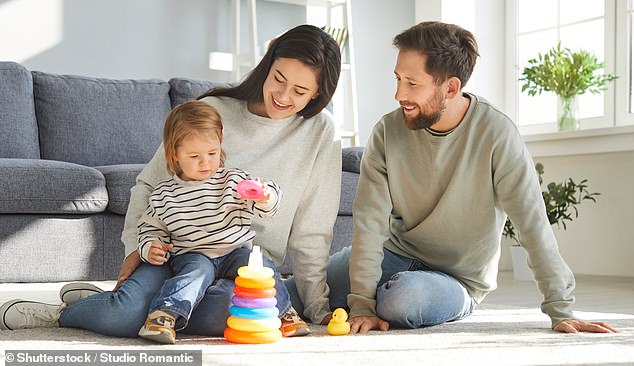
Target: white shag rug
493 335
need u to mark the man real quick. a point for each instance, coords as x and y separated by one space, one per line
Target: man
438 177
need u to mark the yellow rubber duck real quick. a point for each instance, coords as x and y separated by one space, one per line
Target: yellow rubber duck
338 324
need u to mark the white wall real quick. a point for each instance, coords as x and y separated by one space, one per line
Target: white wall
166 38
601 240
375 23
485 19
118 38
129 39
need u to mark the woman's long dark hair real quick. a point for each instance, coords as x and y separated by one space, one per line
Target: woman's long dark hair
306 43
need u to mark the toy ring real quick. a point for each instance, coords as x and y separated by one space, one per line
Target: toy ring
250 189
260 313
254 325
255 273
253 283
237 336
254 302
254 292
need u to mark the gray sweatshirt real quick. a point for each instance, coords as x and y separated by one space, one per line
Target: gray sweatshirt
442 200
304 158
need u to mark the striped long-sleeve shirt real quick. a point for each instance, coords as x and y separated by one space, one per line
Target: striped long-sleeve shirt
206 217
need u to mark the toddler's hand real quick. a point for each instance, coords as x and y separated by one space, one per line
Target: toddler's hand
251 192
157 253
266 193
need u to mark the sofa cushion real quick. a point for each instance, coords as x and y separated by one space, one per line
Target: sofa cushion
183 89
30 186
19 137
47 248
94 122
349 183
351 159
119 180
351 164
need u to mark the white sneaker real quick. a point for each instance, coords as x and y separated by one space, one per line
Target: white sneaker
23 314
77 290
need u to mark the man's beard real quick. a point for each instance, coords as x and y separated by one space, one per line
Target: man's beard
423 120
426 120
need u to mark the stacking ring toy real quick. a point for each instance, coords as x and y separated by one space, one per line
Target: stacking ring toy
237 336
250 189
254 292
261 313
254 325
255 273
254 302
253 283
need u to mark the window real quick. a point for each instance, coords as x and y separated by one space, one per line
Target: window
625 55
603 27
630 58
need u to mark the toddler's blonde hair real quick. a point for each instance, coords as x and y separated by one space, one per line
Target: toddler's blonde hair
193 116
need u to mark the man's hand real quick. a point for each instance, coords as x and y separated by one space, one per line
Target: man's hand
363 324
576 326
326 319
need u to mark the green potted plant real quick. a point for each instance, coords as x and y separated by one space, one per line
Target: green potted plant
568 74
561 200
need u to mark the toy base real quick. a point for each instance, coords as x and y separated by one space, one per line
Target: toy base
238 336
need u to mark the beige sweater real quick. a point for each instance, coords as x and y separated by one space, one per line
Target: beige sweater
442 200
304 158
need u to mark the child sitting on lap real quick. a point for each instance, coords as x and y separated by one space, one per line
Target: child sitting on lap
197 222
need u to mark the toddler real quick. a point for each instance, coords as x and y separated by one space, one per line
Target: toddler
197 222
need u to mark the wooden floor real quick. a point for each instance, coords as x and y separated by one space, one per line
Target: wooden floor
592 293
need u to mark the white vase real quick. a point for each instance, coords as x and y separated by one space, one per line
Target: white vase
521 272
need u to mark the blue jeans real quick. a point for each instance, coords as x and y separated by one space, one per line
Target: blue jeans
193 274
409 294
122 313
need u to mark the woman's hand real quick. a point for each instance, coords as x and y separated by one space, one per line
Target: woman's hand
133 261
130 264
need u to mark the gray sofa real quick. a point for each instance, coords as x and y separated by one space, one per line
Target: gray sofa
70 150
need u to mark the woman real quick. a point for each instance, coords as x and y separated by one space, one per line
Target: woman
275 128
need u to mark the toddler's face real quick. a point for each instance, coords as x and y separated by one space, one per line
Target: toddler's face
198 155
